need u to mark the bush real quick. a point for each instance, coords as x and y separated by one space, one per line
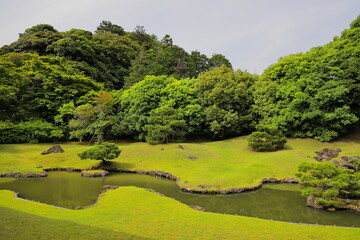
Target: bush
104 151
267 138
32 132
328 183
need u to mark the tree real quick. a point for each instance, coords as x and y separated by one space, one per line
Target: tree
137 102
93 118
226 98
105 151
165 125
266 138
328 183
35 87
167 40
107 26
38 28
197 63
217 60
314 94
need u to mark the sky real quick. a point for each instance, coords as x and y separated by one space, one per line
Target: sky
252 34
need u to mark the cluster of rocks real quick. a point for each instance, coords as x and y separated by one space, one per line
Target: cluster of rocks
23 175
348 204
329 154
70 169
275 180
94 174
152 173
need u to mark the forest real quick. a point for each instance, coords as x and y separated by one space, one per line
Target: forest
113 84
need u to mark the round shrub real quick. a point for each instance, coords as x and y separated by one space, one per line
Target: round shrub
268 138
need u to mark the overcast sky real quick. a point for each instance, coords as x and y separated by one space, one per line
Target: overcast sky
252 34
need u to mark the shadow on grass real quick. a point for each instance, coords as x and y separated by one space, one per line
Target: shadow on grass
18 225
119 165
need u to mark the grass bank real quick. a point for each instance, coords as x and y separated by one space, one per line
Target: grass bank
216 165
134 213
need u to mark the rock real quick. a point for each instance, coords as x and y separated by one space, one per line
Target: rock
311 202
327 154
198 208
23 175
289 180
94 174
62 169
110 187
53 149
348 165
270 180
337 164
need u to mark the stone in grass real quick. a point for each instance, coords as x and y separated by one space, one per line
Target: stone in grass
53 149
94 173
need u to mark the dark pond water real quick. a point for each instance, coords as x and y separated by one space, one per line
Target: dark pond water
281 202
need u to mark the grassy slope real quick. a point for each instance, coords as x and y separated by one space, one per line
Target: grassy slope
130 212
226 163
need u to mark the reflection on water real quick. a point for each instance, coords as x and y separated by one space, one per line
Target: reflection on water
278 202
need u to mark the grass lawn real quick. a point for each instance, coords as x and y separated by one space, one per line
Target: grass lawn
220 164
134 213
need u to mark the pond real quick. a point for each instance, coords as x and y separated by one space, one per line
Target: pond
281 202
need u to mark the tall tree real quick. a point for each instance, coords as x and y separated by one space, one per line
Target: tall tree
226 98
107 26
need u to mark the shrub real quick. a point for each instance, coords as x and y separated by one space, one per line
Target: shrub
104 151
267 138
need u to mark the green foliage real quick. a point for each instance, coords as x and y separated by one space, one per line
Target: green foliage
105 56
35 87
161 59
165 124
226 98
266 138
328 183
92 119
107 26
140 101
31 131
38 28
315 94
104 152
217 60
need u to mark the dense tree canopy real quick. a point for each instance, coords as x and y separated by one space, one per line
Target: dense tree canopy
313 94
111 83
34 87
226 98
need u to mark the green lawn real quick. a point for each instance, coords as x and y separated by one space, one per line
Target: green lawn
220 164
134 213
